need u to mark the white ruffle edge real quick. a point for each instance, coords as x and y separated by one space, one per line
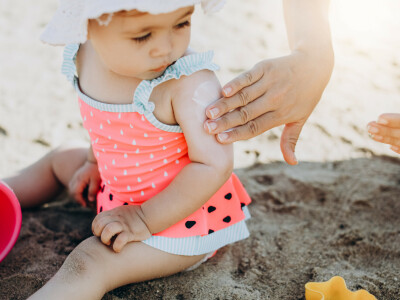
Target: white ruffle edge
69 23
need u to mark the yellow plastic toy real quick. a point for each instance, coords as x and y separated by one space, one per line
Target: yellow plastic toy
334 289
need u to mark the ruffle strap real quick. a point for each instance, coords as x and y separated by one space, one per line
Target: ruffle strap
68 67
184 66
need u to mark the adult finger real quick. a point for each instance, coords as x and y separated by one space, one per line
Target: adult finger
109 231
289 138
389 119
121 240
235 87
245 79
249 130
376 129
395 149
386 140
239 116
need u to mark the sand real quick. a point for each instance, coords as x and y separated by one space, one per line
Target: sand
336 213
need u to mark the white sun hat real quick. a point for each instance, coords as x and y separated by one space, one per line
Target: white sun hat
69 23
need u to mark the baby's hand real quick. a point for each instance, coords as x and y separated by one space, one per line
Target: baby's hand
85 180
387 130
122 224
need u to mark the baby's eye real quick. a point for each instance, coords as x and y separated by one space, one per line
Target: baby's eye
142 38
183 24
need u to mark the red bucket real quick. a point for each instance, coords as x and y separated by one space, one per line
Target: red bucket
10 219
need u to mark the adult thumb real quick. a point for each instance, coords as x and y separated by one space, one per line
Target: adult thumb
289 138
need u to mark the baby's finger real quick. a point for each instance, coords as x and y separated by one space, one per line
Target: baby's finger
109 231
243 80
391 120
77 191
122 239
101 221
94 187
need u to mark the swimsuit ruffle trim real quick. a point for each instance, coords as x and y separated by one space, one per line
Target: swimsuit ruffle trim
184 66
197 245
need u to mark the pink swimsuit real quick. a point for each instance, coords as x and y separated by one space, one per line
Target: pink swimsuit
138 156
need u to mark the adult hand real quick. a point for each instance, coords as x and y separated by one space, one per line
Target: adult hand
387 130
274 92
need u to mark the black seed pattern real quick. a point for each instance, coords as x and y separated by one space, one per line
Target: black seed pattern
126 203
190 224
241 205
228 196
101 208
211 209
102 188
210 231
227 219
111 197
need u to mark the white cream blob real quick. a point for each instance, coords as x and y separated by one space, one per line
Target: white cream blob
205 94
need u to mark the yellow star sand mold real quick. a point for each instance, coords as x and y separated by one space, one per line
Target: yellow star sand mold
334 289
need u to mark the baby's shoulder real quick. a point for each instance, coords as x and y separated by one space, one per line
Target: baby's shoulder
201 84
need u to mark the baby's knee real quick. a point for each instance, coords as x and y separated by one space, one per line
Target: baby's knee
84 260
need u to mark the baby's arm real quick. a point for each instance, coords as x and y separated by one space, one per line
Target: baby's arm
211 162
211 166
387 130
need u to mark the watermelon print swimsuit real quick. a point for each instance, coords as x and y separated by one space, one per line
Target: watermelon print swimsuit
138 156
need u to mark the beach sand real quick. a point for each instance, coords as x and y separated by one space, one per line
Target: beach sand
336 213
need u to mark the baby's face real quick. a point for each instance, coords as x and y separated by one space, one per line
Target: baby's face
141 45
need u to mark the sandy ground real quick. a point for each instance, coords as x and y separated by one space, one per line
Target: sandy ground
336 213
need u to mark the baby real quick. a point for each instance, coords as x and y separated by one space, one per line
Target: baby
167 199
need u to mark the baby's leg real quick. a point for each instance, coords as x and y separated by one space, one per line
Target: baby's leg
44 179
93 269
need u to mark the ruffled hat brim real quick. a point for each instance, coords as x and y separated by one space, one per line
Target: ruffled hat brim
69 23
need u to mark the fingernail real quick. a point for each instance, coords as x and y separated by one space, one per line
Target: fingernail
227 90
211 126
214 112
373 129
378 137
383 121
222 136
